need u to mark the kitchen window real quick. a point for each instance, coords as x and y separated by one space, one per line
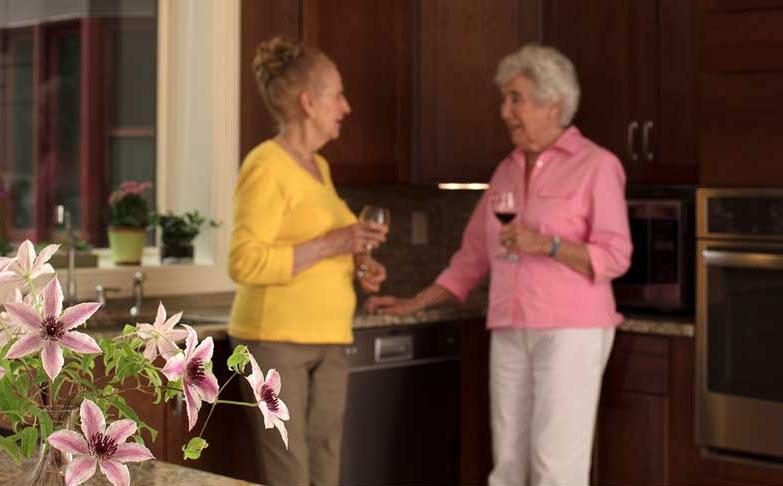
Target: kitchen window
89 99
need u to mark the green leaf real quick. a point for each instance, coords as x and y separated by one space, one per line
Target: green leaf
29 437
193 448
9 445
238 359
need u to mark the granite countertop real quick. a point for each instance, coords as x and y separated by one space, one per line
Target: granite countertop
150 473
209 315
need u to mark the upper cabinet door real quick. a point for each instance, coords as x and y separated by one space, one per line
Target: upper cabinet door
634 59
371 44
460 135
741 96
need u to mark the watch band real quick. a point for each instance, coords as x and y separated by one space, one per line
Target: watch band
556 242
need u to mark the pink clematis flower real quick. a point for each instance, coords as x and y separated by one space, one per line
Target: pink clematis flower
160 336
100 446
266 391
198 383
52 330
27 269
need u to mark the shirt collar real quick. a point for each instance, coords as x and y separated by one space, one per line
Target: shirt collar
570 141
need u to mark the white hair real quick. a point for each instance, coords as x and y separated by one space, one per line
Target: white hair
552 74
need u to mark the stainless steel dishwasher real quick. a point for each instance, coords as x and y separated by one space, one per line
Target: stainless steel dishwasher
402 415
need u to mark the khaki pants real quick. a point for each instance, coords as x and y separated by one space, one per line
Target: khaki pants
314 387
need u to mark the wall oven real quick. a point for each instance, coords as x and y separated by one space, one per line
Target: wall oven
739 323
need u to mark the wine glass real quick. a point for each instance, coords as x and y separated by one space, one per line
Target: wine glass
377 215
505 209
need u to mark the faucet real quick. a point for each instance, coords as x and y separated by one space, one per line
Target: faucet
63 217
101 291
138 294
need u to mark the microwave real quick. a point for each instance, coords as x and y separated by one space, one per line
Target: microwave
661 275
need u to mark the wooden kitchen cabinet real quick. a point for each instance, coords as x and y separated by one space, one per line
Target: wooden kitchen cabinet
740 93
636 65
418 75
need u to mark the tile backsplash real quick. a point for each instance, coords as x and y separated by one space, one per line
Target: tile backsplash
412 264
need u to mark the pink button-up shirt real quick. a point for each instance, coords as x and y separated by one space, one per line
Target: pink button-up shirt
576 191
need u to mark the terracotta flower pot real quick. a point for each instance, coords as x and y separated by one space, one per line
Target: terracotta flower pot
127 245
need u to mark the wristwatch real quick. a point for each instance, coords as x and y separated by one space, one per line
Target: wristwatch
556 242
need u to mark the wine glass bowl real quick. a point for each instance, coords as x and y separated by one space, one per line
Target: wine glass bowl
376 215
504 207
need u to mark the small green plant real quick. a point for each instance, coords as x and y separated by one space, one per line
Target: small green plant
129 207
181 229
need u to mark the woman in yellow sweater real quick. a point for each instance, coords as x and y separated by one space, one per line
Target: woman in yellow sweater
294 249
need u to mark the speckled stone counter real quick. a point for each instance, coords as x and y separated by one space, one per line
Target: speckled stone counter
151 473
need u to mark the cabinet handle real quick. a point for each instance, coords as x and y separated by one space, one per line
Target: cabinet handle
648 154
630 135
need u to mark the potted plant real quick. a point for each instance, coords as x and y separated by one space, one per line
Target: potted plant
128 222
178 232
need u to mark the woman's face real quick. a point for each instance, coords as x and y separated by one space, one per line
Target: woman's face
532 126
328 104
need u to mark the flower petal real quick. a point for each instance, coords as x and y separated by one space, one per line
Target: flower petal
175 367
132 452
256 377
273 380
115 472
172 321
77 314
45 255
283 432
69 441
146 331
25 256
160 317
52 358
42 279
25 345
208 387
24 314
204 350
121 430
92 418
53 298
192 406
80 470
190 341
282 411
80 342
167 348
151 350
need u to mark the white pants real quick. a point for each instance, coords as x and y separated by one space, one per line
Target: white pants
544 388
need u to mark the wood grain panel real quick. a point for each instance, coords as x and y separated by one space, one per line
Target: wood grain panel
261 20
461 136
745 41
371 44
738 4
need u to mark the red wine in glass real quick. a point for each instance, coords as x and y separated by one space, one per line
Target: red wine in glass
505 217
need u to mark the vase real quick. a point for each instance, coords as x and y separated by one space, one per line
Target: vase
47 466
127 245
176 252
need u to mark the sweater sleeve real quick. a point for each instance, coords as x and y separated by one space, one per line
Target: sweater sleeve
255 257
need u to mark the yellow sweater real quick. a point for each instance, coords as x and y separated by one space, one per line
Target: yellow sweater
278 205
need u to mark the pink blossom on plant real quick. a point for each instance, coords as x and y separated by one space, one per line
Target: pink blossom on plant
99 447
160 336
198 381
26 270
52 330
267 393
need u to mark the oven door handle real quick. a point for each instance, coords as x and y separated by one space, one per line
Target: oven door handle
743 260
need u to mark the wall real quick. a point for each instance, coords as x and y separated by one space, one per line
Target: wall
411 266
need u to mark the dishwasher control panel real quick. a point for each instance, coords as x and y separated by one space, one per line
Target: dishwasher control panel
395 345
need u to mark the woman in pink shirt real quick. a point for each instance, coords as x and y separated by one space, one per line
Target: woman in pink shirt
551 309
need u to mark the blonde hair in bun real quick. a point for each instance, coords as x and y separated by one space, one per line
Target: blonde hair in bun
283 70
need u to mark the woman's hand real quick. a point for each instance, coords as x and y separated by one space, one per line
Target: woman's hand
390 305
372 275
356 238
522 239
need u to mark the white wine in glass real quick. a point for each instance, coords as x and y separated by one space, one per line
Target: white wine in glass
379 216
